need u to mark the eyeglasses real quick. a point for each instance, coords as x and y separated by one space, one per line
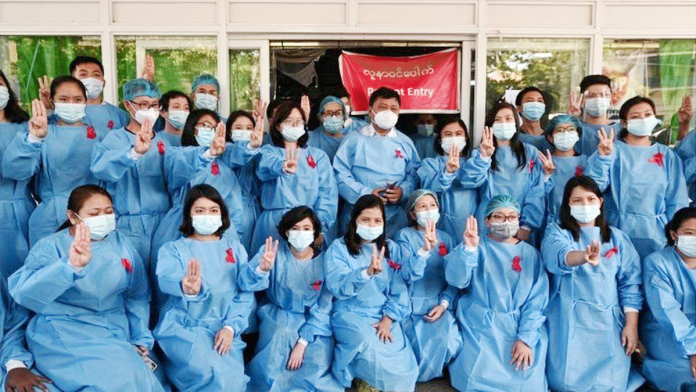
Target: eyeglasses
499 218
564 130
293 123
145 105
601 95
328 113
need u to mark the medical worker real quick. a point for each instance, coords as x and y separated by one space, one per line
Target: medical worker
293 175
455 175
206 311
333 130
592 315
501 314
205 92
531 105
130 162
378 160
686 149
592 107
644 181
87 286
424 138
371 301
175 107
668 328
431 328
16 201
56 156
295 344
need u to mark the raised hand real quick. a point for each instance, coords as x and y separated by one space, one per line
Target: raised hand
376 261
259 112
296 357
471 235
575 104
606 143
217 146
81 247
547 163
452 160
45 91
522 356
686 111
257 134
269 255
223 340
487 147
592 253
38 124
191 284
148 71
430 236
306 106
292 155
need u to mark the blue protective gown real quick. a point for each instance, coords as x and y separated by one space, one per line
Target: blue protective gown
435 344
585 317
137 186
538 141
106 116
312 185
364 163
668 328
87 322
329 144
500 307
686 149
644 187
251 189
171 139
456 192
361 302
58 164
298 307
16 205
425 145
566 168
188 324
587 145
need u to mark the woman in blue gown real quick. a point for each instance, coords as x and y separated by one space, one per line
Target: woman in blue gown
206 311
501 314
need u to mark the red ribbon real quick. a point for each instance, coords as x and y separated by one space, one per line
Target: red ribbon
127 265
611 252
316 286
393 264
215 169
443 249
516 264
230 256
110 125
579 171
160 147
399 154
532 163
310 162
90 132
657 158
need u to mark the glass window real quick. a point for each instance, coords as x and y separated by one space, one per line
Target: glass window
245 81
553 65
24 59
663 70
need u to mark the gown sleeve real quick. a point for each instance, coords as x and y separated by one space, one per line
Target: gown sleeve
532 312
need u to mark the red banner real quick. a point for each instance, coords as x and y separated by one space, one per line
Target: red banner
426 84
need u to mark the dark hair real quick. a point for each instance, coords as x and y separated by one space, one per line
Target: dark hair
591 80
233 117
188 135
438 135
173 94
520 95
295 215
353 240
13 112
210 193
568 222
283 112
515 144
385 93
623 112
60 80
677 221
274 105
79 196
79 60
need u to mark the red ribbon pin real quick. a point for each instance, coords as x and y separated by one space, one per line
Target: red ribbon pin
532 163
127 265
215 169
399 154
316 285
657 158
443 249
579 171
516 264
160 147
393 264
90 132
310 162
110 125
230 256
611 252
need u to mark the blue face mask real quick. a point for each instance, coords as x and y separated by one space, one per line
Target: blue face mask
333 124
205 136
70 112
504 130
178 118
533 111
206 224
206 101
369 233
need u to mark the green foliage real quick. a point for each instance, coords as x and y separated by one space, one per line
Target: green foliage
245 83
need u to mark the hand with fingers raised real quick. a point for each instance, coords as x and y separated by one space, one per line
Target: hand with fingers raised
148 71
38 124
45 91
606 143
430 236
452 160
686 111
191 284
81 247
269 255
257 134
292 155
306 106
592 253
217 146
143 139
575 104
547 163
487 147
376 262
471 234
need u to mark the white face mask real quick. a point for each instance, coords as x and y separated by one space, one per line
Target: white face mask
100 226
292 134
300 239
178 118
565 141
585 213
504 130
206 224
206 101
422 217
505 229
93 86
205 136
369 233
150 114
458 141
70 112
241 135
385 119
597 107
687 245
642 126
4 97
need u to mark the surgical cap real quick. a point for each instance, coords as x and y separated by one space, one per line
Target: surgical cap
331 99
562 119
502 201
205 79
416 195
140 88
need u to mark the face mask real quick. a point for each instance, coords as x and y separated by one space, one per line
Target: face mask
205 136
150 114
333 124
292 134
4 97
425 130
448 142
100 226
93 86
70 112
642 126
533 111
369 233
597 107
565 141
300 239
386 119
206 101
241 135
430 215
178 118
206 224
687 245
505 229
504 131
585 214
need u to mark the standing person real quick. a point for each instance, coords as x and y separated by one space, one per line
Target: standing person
596 295
333 129
87 286
592 107
531 106
644 181
424 138
371 300
16 200
296 343
668 328
205 92
55 155
206 311
130 162
175 107
378 160
501 314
